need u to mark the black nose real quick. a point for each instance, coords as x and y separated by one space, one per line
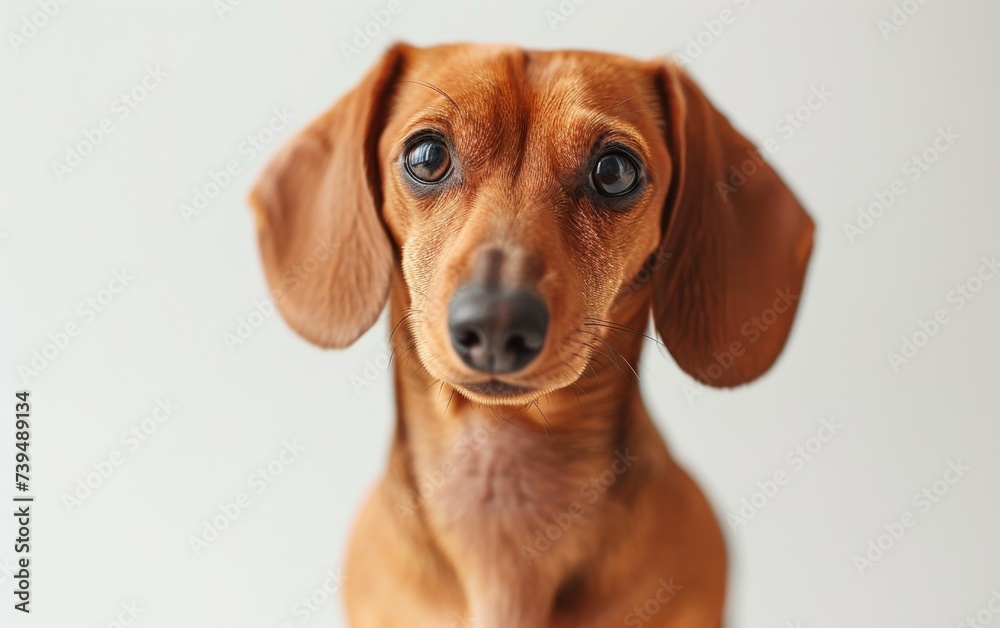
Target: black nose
497 331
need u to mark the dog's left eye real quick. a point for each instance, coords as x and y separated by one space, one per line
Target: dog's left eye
615 174
428 161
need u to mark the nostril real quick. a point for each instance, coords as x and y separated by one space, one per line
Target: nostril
523 342
517 345
468 339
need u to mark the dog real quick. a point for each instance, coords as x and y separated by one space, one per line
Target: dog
524 213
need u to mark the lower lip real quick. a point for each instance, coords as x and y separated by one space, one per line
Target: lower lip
498 388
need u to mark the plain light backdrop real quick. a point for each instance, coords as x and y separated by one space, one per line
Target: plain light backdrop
162 337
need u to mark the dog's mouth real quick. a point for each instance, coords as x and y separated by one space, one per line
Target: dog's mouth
497 388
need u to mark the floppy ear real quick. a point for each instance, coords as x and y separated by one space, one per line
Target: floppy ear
326 254
735 245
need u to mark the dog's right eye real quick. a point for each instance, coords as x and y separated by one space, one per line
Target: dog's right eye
615 174
428 161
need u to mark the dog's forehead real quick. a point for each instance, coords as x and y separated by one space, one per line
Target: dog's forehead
487 72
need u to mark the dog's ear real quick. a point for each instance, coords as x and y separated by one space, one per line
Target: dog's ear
735 245
325 251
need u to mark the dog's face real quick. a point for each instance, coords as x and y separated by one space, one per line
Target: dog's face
522 193
521 200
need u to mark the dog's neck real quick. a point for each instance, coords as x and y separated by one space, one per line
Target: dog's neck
481 485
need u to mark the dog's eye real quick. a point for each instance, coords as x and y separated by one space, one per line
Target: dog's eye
428 161
615 174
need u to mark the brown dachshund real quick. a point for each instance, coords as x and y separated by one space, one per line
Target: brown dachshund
523 212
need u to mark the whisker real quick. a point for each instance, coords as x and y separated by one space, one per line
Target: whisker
611 359
624 359
638 111
409 352
400 322
587 358
616 352
438 90
622 102
578 400
597 322
539 408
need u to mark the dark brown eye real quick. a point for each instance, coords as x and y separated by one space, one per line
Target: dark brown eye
615 174
428 161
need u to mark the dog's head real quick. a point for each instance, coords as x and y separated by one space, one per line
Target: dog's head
525 195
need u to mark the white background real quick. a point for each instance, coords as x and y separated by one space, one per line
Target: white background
162 337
